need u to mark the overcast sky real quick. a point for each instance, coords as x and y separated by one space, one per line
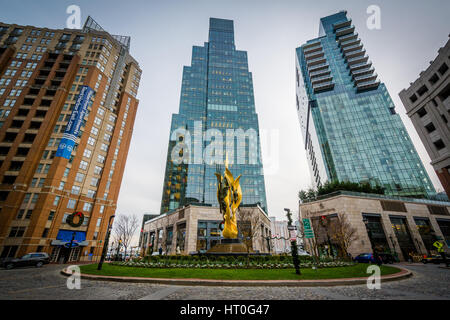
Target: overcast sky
163 33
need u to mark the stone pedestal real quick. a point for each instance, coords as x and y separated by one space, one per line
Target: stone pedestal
229 246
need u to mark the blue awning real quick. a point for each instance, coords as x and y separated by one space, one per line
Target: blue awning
66 235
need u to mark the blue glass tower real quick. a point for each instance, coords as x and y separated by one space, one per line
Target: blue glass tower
216 100
350 128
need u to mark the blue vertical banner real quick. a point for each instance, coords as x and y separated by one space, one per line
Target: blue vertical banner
73 126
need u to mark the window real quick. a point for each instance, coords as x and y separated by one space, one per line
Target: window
76 190
413 98
422 112
443 69
97 121
91 141
94 182
16 232
56 201
20 214
102 209
439 144
51 215
104 147
433 79
97 170
99 221
87 207
28 215
94 131
91 194
101 111
83 165
79 177
430 127
100 158
87 153
422 90
66 172
45 233
34 198
71 204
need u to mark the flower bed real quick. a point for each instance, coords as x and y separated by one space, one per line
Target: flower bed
233 265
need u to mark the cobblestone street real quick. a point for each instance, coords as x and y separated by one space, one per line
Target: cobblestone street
429 282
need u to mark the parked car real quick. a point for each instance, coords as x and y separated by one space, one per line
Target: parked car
365 258
37 259
387 258
435 258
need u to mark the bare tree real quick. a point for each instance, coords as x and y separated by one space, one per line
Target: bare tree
248 224
342 232
124 228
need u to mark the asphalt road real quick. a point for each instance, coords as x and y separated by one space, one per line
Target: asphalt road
429 282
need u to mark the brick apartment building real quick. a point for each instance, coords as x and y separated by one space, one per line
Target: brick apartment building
42 72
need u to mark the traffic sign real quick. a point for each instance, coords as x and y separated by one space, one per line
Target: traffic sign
292 227
293 235
309 233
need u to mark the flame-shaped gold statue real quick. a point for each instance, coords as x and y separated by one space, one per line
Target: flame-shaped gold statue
229 195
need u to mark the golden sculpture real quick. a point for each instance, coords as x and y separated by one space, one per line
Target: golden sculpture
229 196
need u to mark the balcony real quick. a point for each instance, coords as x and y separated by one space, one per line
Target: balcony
346 38
311 45
319 73
344 31
318 67
365 78
313 49
327 78
313 55
323 87
316 61
372 84
352 42
343 24
362 72
356 46
359 66
357 60
353 54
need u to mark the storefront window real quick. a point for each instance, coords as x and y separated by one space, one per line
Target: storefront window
426 233
403 236
376 233
208 234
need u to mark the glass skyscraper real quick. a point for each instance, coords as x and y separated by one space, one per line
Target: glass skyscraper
216 100
350 128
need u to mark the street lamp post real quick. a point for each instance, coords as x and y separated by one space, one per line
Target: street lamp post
70 245
294 249
105 245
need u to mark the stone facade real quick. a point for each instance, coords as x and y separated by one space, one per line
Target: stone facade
427 103
357 207
182 227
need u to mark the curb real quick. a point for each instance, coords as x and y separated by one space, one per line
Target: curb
403 274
